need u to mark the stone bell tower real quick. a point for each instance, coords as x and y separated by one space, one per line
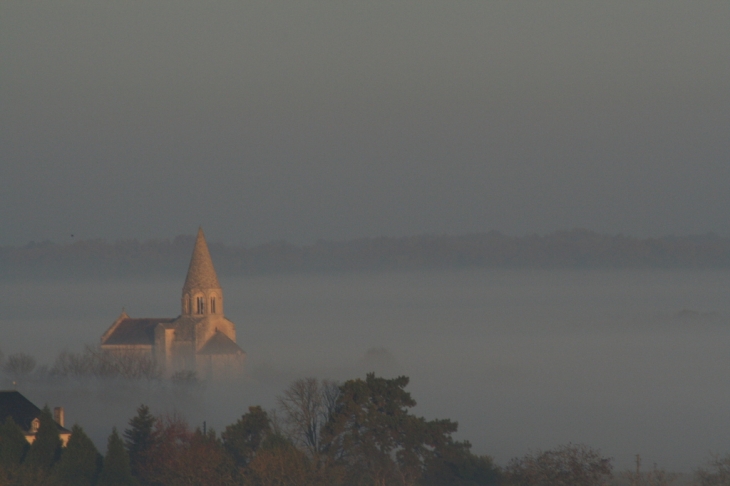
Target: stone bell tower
202 294
200 339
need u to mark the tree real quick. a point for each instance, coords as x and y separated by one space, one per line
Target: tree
566 465
95 362
655 477
116 469
453 464
715 473
46 447
373 437
243 439
279 463
13 448
19 365
182 456
140 438
80 461
307 405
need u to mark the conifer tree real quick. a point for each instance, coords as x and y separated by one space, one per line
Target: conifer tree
46 448
140 438
116 470
80 461
13 447
244 438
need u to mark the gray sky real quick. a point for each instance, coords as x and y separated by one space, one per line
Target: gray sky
303 120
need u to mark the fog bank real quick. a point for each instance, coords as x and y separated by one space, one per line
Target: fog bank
626 361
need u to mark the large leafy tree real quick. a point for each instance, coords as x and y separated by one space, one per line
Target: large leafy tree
374 439
80 461
116 469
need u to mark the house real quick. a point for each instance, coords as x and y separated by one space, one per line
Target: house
14 405
200 339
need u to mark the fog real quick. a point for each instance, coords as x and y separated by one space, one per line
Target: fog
625 361
268 120
319 120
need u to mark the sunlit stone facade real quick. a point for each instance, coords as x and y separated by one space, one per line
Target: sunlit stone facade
200 339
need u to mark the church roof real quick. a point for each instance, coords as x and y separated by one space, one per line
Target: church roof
219 343
201 273
22 410
131 331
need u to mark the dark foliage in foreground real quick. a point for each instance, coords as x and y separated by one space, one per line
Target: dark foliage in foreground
359 433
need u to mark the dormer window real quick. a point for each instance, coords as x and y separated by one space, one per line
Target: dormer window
201 305
34 425
212 305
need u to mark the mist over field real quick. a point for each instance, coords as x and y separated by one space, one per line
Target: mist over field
628 361
388 187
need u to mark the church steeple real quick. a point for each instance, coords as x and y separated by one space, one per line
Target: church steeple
202 294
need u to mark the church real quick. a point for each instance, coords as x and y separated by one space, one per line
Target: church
200 339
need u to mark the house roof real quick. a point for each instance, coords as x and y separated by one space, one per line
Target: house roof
219 343
131 331
201 273
23 412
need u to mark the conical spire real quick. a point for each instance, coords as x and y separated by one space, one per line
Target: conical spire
201 274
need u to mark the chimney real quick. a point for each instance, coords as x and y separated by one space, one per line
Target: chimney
58 415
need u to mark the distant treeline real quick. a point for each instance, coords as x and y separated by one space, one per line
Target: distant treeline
576 248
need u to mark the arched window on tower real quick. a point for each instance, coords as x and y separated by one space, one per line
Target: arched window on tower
212 305
201 305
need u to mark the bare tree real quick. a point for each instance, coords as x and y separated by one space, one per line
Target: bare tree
73 364
94 362
306 406
567 465
715 473
19 365
655 477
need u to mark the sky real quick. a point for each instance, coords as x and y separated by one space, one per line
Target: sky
268 120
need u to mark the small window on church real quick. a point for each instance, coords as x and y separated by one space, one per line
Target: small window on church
201 305
212 305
